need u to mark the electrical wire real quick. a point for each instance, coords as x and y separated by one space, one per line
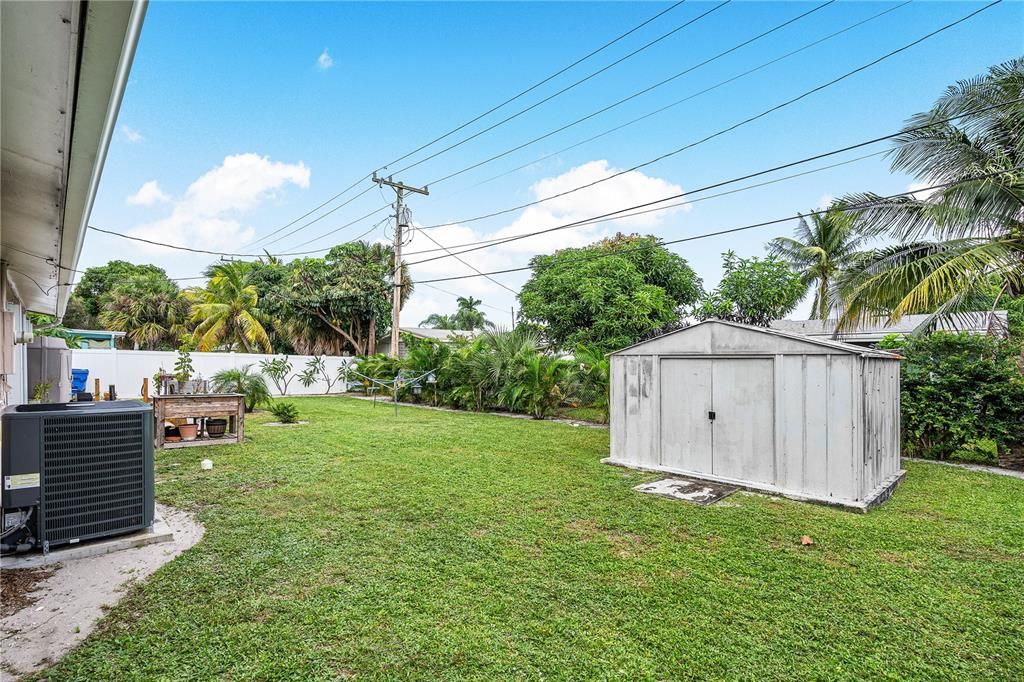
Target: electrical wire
679 101
453 294
728 129
565 89
468 265
742 228
471 121
633 96
930 124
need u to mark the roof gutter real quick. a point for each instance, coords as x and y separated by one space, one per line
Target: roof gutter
73 235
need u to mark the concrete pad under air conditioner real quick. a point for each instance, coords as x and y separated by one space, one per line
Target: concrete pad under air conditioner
698 492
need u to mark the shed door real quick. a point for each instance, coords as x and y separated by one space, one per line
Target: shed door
744 430
685 403
718 415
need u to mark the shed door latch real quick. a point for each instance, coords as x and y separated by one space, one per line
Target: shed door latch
711 415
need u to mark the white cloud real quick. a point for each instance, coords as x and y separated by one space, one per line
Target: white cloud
628 189
325 60
920 191
148 195
208 215
131 134
824 201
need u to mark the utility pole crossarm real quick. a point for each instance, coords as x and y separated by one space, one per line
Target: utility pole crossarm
396 300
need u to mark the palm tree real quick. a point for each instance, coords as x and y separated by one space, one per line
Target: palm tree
818 251
468 317
439 321
226 311
149 308
962 246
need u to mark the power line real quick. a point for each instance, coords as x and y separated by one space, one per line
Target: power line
665 207
467 264
685 99
727 182
451 293
748 176
633 96
776 221
469 122
728 129
532 87
567 88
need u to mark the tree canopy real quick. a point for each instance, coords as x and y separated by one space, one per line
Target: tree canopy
94 291
752 291
468 316
608 294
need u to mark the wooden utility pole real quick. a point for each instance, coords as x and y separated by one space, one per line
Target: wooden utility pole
401 221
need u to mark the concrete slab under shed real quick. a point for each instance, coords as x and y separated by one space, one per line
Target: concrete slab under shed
698 492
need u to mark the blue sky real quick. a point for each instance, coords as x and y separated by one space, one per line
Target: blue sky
240 117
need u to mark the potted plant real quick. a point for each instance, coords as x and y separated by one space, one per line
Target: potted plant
41 392
216 427
188 431
183 369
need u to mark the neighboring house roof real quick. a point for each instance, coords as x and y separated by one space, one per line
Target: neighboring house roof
439 334
873 332
658 342
64 69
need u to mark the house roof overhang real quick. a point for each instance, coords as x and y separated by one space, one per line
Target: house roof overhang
63 71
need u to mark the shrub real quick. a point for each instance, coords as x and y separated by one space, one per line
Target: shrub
958 392
243 381
280 372
286 413
590 379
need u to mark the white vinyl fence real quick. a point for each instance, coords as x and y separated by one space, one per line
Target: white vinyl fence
127 368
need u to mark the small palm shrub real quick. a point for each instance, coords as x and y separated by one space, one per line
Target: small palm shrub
286 413
537 385
250 384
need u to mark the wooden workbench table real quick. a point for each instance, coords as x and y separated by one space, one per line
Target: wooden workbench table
230 405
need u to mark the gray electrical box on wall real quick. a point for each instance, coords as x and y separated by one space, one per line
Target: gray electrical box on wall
75 471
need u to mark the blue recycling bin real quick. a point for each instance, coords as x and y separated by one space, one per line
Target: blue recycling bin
78 379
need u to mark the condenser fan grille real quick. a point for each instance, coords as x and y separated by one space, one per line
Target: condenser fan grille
94 473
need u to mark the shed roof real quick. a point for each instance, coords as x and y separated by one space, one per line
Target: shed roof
797 340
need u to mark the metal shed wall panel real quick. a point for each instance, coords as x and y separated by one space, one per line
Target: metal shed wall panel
803 419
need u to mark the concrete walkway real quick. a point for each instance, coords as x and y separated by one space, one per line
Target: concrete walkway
68 604
972 467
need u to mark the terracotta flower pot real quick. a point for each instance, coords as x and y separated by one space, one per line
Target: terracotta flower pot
188 431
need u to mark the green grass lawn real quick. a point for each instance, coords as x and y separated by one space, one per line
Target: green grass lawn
459 546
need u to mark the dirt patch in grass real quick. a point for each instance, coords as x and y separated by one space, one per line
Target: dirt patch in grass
18 584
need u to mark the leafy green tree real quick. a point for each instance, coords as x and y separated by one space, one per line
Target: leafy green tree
952 244
149 308
270 277
958 391
94 290
226 311
607 294
819 250
342 301
752 291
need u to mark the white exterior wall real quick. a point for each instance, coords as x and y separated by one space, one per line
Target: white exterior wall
127 368
795 417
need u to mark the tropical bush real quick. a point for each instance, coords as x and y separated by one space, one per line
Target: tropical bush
497 370
286 413
250 384
962 397
316 370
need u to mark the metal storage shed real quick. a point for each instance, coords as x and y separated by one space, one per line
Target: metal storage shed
768 410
